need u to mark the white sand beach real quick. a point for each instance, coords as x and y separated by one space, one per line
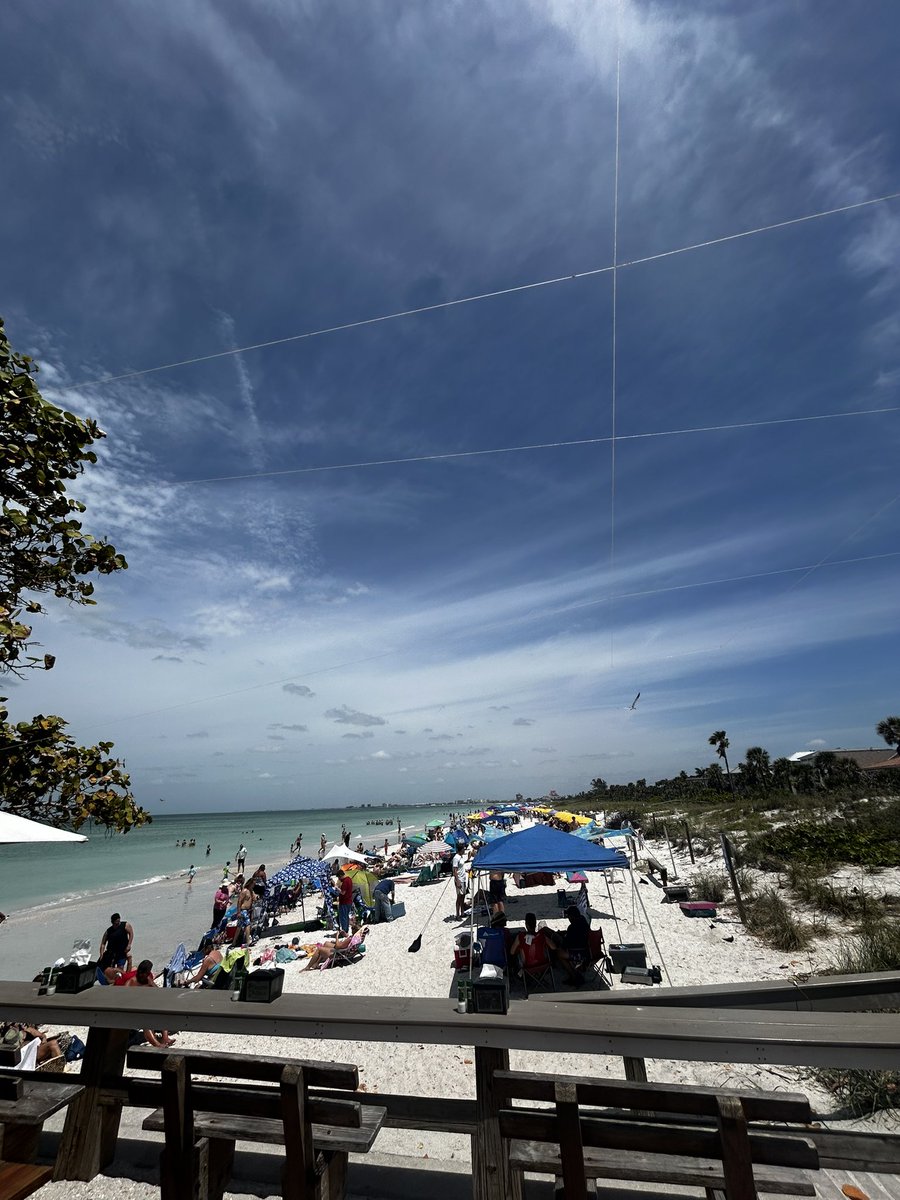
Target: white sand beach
693 952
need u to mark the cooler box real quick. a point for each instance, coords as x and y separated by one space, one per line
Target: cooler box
638 975
677 891
398 909
73 978
263 986
489 996
627 954
698 908
642 975
462 952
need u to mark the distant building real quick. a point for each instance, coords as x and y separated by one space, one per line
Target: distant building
866 760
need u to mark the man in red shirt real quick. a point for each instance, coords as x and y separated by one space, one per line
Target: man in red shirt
345 900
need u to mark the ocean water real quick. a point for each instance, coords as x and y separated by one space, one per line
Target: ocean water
55 893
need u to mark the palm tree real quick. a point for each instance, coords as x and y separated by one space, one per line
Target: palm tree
825 765
758 767
889 730
719 739
782 774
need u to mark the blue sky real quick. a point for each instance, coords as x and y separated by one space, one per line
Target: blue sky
187 178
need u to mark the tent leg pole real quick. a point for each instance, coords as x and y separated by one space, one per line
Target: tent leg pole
655 942
612 906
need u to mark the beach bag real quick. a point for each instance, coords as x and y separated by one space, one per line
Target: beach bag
75 1049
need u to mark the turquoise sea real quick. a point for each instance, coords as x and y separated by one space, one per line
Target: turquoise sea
54 893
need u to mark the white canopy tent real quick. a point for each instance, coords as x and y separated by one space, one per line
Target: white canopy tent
19 830
344 854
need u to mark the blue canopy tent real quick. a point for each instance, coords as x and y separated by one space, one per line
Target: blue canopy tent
544 849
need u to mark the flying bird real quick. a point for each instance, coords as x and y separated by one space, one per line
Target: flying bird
632 705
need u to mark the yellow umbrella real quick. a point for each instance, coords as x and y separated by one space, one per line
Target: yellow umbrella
583 820
565 816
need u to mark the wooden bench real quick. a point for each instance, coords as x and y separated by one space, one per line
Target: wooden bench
24 1106
724 1156
203 1121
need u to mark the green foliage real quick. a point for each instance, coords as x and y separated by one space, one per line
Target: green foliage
860 1093
871 838
44 773
43 547
773 922
875 947
709 885
889 730
807 884
48 777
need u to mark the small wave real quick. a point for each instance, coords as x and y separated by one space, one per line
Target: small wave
93 894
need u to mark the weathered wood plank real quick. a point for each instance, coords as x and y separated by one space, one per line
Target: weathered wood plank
36 1101
89 1136
657 1168
656 1097
260 1067
299 1172
218 1126
19 1180
541 1125
492 1177
571 1150
737 1157
871 1040
240 1100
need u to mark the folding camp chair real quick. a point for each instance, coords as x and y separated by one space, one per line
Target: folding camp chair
492 946
351 952
536 965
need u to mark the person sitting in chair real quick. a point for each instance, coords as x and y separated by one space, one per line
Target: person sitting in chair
325 951
572 946
15 1036
209 968
532 944
142 976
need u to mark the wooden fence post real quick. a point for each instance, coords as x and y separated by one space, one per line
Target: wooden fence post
729 867
687 834
671 855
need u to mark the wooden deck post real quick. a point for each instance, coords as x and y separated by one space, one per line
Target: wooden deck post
737 1160
492 1178
89 1137
635 1069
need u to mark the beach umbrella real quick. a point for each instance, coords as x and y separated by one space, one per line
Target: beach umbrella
564 816
457 838
300 869
415 839
491 833
435 825
364 880
581 819
434 850
343 854
18 830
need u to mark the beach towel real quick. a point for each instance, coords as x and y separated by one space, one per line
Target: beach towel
177 964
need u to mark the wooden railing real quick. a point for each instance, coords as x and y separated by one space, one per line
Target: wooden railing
634 1032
